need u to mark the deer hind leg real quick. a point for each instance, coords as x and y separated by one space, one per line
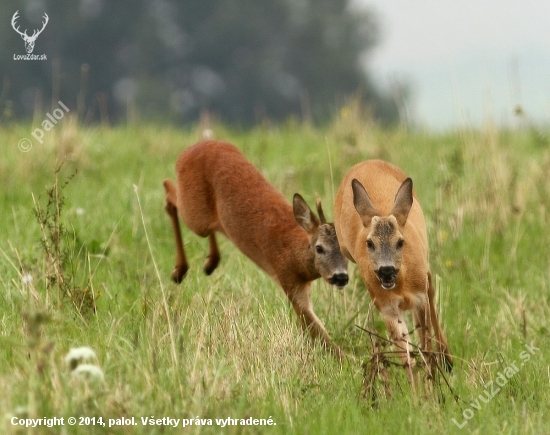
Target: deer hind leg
442 346
180 270
422 322
422 325
213 255
299 297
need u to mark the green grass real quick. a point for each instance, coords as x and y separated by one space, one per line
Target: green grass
229 345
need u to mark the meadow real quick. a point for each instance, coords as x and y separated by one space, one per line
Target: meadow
86 252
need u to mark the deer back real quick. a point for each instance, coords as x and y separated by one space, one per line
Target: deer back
220 190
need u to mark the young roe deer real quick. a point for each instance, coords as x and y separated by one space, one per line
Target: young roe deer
218 190
385 234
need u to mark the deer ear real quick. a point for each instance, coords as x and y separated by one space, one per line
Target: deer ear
403 202
363 203
303 214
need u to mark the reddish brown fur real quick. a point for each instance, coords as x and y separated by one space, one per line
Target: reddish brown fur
413 286
219 190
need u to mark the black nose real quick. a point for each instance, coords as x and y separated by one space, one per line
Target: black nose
386 272
339 279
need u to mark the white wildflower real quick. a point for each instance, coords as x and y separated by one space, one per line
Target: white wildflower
88 372
79 211
19 413
26 278
78 356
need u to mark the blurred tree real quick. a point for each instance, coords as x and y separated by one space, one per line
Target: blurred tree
243 60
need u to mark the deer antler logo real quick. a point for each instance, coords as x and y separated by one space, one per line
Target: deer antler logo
29 40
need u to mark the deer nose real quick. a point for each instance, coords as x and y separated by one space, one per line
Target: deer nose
386 272
339 279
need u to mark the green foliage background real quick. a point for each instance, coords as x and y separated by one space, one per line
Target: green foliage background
229 345
244 61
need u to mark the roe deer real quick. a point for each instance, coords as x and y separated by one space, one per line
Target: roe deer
385 234
219 190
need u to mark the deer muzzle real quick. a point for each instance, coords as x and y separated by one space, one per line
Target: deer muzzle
339 279
387 275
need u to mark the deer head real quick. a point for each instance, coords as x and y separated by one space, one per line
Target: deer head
323 243
29 40
385 240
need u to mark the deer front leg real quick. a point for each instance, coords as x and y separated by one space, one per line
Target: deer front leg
180 270
299 297
395 322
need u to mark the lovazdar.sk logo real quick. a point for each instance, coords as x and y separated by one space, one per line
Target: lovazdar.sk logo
29 40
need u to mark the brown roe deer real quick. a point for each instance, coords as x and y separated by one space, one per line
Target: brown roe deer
384 232
218 190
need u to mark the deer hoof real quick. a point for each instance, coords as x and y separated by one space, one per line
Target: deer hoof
179 273
211 264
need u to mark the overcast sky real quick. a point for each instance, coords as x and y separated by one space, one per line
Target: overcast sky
467 60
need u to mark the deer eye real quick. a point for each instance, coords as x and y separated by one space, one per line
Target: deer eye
319 249
370 244
400 243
